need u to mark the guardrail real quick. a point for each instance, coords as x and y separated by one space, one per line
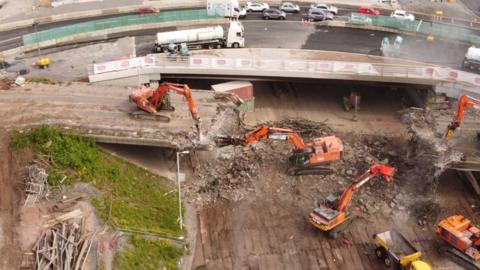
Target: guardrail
124 21
297 66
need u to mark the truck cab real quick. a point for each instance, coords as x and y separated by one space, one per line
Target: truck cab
236 35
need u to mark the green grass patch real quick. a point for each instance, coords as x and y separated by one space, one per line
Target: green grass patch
44 80
132 198
141 253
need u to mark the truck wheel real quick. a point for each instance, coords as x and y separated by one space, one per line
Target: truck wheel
165 50
210 46
266 18
387 261
380 252
282 18
219 46
235 45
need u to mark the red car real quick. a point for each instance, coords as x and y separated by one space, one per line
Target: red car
368 11
148 10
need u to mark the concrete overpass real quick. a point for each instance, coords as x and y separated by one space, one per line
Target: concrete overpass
287 63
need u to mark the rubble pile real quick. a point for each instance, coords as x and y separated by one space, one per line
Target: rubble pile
233 168
428 153
234 172
426 212
36 185
64 245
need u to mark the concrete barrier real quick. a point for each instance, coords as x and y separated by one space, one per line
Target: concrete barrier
95 13
103 34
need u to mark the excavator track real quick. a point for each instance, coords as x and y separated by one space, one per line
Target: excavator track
150 116
459 258
335 232
320 169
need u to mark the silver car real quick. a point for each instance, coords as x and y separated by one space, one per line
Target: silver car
316 14
329 8
273 13
289 7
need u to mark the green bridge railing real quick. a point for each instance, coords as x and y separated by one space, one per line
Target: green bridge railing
419 26
91 26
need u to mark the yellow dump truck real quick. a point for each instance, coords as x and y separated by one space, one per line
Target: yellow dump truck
394 249
43 62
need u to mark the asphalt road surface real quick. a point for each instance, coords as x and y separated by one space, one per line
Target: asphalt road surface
295 35
473 5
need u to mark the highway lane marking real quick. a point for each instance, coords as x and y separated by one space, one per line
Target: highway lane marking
10 39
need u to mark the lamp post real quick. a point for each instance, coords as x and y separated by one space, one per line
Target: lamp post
35 24
180 217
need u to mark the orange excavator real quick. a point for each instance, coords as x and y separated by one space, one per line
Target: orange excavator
151 101
464 102
307 158
333 217
462 239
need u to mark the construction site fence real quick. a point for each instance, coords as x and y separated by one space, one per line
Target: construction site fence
419 26
123 21
273 66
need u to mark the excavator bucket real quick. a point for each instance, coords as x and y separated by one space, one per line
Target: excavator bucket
450 130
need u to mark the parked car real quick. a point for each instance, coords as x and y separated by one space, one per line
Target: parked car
402 15
15 66
289 7
242 13
273 13
256 7
315 14
329 8
368 11
148 10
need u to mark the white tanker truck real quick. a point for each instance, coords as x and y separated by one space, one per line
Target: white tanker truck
206 38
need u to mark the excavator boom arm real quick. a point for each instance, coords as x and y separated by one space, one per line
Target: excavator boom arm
150 101
464 102
275 133
183 89
385 171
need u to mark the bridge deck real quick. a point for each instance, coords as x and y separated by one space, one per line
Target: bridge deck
102 112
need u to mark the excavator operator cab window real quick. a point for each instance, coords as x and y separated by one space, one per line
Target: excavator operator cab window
324 147
299 160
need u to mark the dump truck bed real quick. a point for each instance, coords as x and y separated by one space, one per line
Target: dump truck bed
395 243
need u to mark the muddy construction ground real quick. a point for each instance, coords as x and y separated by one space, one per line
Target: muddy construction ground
246 212
254 216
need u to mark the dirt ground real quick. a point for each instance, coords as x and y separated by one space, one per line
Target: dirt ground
9 205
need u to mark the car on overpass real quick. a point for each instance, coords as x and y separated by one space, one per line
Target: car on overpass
274 13
368 11
289 7
256 7
402 15
148 10
328 8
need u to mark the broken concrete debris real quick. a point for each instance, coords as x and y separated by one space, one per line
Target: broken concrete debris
64 245
36 185
240 172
